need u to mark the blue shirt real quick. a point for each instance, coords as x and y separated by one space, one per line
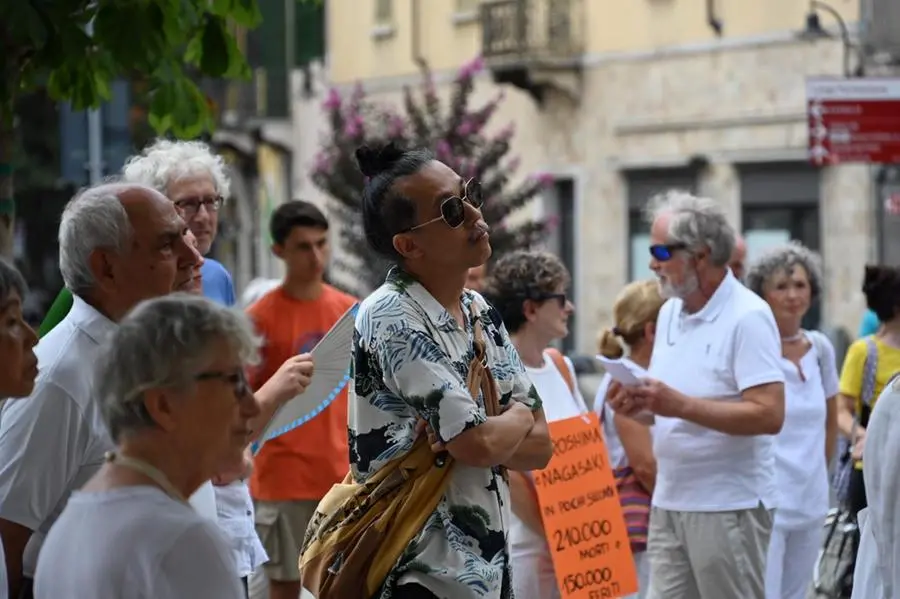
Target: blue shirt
869 324
217 282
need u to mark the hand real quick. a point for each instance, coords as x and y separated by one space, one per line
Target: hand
422 427
625 400
292 378
859 445
661 399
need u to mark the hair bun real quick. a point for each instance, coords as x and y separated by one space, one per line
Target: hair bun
376 160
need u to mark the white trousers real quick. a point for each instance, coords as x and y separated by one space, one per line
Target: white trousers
790 562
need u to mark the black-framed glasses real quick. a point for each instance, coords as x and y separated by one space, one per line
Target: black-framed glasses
237 379
189 207
666 251
453 209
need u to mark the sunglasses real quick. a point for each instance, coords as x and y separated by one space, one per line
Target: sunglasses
664 252
561 298
453 209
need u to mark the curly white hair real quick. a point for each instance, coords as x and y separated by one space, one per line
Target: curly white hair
165 161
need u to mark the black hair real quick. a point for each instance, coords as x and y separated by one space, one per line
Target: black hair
386 212
881 286
295 213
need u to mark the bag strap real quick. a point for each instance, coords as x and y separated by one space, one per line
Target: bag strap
870 369
560 362
480 377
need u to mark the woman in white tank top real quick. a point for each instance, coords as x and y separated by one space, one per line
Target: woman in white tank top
528 289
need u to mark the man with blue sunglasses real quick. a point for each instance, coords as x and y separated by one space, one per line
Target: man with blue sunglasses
716 394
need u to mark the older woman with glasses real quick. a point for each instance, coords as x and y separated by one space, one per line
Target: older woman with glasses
789 278
173 394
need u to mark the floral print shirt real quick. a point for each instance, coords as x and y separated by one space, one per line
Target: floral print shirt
411 359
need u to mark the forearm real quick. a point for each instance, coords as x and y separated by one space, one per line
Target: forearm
740 418
494 441
534 452
14 537
831 431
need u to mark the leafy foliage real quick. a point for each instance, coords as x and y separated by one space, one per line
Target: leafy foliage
77 47
456 133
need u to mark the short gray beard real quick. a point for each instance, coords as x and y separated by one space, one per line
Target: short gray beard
689 286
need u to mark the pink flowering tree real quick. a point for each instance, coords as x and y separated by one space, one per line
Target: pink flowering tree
455 131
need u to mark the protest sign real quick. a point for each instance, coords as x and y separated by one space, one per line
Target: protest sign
582 517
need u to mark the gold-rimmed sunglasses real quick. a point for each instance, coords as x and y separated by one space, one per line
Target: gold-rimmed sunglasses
453 209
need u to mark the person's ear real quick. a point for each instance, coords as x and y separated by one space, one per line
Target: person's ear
278 250
103 267
407 246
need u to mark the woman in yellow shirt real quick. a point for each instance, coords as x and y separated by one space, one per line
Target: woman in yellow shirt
881 287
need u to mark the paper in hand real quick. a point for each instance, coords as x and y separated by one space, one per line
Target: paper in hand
331 373
624 372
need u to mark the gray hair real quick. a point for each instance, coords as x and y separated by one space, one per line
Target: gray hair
696 222
165 161
94 219
784 258
165 342
11 281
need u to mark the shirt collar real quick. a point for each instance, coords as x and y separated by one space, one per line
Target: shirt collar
87 318
403 282
720 297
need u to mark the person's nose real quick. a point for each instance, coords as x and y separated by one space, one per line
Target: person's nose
249 405
189 256
570 307
31 338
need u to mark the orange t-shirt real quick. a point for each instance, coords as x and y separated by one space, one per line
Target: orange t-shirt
303 463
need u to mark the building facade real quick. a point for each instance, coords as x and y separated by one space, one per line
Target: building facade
619 103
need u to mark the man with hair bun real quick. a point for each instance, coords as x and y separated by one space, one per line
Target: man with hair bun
716 391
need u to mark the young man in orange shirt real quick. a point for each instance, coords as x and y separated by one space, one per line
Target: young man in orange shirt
293 472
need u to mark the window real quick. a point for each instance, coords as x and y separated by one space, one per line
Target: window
384 12
643 185
780 202
559 202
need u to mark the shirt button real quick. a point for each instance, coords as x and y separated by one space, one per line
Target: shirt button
249 513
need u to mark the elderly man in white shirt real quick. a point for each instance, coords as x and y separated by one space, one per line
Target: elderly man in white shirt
119 244
716 393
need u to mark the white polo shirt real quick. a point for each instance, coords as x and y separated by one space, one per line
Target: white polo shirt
730 345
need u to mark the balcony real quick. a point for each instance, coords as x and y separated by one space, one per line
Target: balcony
238 102
535 45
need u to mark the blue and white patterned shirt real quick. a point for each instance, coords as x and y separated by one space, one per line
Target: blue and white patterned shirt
410 360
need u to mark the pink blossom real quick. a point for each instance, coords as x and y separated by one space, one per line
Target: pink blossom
507 132
513 165
465 128
396 125
545 179
333 100
470 69
358 93
443 151
322 163
353 127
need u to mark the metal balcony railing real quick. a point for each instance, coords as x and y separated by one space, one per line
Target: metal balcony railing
266 95
532 30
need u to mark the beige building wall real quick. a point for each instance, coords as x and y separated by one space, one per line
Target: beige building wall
657 90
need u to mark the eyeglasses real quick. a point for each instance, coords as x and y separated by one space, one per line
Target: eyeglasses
238 381
453 209
666 251
189 207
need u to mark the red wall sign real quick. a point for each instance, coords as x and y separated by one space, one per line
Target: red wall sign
853 120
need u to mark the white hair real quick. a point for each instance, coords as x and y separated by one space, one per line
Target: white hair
165 342
94 219
164 162
696 222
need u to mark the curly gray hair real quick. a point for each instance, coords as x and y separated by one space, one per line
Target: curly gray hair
696 222
165 161
165 342
784 258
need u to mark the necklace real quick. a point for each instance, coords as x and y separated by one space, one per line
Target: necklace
793 338
151 472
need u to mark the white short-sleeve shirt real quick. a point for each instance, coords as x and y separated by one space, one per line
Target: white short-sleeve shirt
727 347
134 543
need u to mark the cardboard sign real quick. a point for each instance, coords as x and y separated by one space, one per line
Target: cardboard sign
582 516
